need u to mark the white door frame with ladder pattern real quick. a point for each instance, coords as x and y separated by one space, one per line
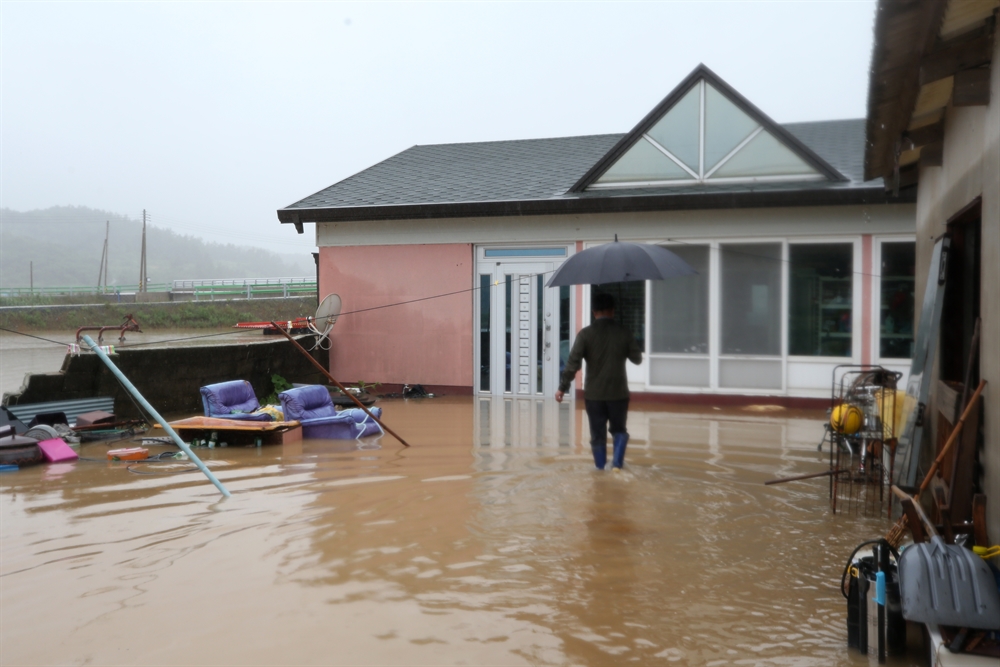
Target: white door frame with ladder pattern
520 341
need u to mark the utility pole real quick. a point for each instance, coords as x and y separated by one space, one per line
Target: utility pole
107 233
31 277
102 272
142 260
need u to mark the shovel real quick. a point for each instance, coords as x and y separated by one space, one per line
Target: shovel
946 584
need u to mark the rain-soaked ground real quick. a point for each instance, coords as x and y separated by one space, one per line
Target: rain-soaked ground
490 541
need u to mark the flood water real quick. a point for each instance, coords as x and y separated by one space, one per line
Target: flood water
490 541
459 550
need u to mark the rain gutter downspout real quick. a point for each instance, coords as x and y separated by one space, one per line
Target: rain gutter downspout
154 414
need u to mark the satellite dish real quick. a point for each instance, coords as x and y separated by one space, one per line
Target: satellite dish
326 317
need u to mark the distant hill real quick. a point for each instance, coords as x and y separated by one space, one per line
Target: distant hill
65 244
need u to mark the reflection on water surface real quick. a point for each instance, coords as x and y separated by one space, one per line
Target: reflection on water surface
490 541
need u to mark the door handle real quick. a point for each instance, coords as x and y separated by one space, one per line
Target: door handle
548 341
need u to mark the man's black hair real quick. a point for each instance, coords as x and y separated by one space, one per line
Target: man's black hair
603 302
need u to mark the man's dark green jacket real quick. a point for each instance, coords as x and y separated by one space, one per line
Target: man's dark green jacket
605 345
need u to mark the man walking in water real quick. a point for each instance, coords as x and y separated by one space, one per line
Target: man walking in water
605 345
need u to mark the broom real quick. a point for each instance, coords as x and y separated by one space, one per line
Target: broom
898 530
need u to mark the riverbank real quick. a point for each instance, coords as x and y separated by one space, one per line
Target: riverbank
183 314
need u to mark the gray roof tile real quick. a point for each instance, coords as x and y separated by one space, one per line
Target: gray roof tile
540 169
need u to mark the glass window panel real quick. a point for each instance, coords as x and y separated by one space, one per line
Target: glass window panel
678 130
630 306
726 125
643 162
820 299
751 298
680 306
896 316
764 156
539 333
678 372
749 374
563 327
485 281
506 384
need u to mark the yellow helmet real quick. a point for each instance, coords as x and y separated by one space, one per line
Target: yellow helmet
846 418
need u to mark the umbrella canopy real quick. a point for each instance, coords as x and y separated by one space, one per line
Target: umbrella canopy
619 262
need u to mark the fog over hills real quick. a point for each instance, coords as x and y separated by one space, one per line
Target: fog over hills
65 244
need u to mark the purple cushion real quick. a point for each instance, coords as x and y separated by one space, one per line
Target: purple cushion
309 402
338 427
368 425
231 400
359 415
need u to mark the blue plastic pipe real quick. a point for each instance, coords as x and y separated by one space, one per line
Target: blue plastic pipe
155 415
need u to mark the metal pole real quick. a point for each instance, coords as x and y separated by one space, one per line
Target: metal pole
31 276
154 414
107 235
334 381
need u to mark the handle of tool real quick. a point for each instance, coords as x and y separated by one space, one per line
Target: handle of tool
951 441
800 477
325 372
130 388
903 495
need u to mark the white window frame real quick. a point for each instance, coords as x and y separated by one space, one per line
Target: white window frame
703 177
857 297
714 355
876 302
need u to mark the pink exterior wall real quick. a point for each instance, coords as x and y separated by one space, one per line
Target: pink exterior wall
428 342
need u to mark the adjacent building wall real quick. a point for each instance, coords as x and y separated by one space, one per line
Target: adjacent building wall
970 168
427 342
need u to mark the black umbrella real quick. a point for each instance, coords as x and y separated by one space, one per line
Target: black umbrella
619 262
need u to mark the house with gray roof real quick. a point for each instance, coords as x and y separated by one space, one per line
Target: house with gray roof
440 254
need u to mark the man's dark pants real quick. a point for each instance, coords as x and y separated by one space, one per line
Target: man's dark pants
599 413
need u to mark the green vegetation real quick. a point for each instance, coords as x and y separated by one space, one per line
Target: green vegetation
152 316
280 384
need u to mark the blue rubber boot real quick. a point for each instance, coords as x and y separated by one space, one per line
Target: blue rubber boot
618 458
600 455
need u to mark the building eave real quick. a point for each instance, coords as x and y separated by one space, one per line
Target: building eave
874 194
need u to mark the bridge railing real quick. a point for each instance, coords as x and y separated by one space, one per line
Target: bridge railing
79 289
200 289
249 291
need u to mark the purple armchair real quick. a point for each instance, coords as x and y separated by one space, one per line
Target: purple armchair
232 400
312 407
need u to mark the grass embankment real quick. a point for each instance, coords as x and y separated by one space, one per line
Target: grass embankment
169 315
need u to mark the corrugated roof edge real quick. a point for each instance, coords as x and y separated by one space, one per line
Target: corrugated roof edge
873 193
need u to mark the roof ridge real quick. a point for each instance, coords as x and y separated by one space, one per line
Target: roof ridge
515 141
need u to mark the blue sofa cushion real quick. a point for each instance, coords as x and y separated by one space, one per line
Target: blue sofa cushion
309 402
231 400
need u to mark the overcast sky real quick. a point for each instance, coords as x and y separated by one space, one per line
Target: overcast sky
213 115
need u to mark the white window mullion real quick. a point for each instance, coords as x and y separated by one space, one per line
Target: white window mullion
784 315
701 133
739 147
714 320
670 155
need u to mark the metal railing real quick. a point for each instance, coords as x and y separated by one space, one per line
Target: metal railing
250 290
78 289
201 289
189 285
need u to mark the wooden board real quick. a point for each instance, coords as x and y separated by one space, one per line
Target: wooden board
216 424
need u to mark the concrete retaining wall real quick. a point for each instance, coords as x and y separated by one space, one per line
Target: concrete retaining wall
169 378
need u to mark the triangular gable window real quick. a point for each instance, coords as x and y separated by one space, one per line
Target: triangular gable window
706 138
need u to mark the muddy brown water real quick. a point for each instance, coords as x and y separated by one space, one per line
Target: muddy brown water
490 541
